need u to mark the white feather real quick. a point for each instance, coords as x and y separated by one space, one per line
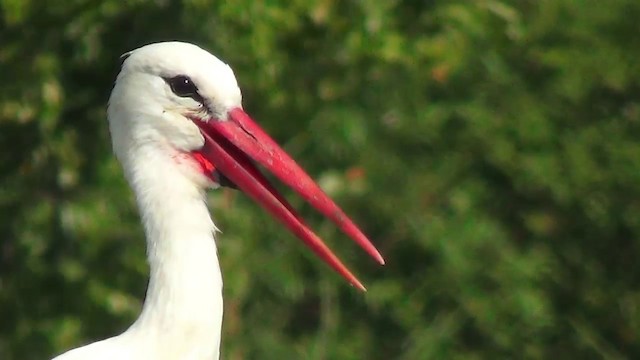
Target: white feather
182 314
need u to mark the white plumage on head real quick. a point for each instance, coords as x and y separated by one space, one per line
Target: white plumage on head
151 136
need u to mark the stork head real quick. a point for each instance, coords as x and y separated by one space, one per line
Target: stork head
179 102
159 92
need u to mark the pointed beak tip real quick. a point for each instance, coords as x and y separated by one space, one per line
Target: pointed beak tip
378 258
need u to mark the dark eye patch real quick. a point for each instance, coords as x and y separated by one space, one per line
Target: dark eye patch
183 86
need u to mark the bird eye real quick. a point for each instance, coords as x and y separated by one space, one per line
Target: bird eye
183 86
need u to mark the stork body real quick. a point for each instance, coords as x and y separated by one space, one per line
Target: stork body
177 127
182 313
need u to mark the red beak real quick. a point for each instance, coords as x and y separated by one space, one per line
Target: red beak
231 145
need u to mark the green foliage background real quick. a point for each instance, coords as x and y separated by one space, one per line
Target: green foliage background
490 148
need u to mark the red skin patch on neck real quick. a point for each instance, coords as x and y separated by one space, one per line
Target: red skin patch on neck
206 165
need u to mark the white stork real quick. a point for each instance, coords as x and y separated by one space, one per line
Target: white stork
178 128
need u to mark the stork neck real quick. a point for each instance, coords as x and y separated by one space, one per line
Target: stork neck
184 297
